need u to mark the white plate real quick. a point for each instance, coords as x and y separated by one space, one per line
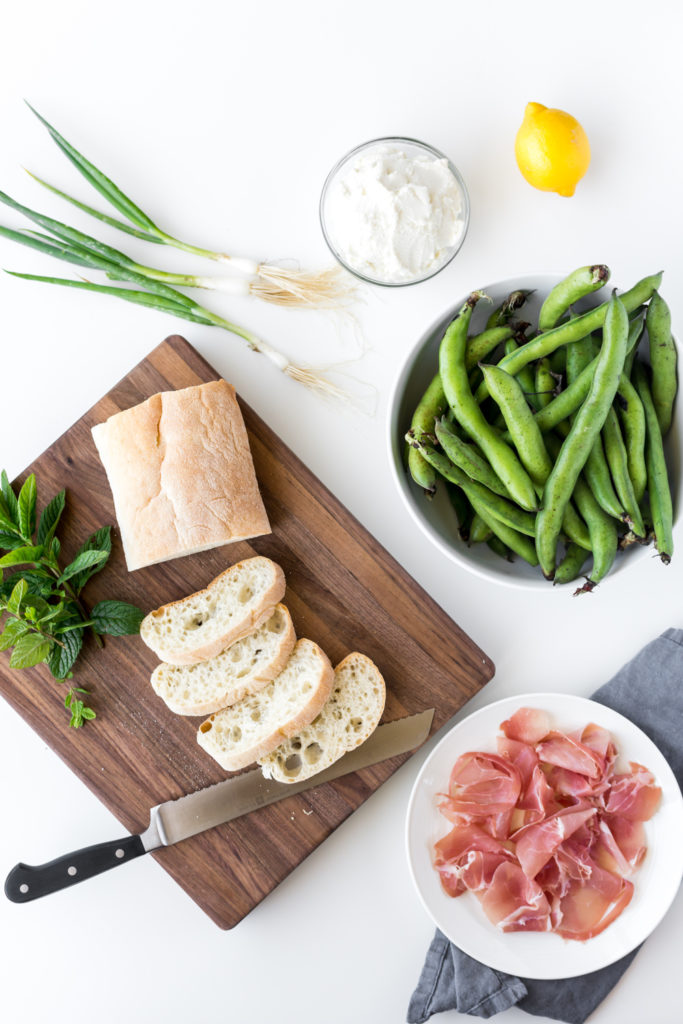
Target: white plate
545 954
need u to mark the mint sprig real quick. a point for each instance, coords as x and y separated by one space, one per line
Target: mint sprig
45 619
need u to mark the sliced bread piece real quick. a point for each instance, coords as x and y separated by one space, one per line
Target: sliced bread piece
256 725
242 669
202 625
350 715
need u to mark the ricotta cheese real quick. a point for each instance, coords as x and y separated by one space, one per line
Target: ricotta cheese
394 213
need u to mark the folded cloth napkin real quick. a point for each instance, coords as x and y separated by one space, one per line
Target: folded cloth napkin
649 692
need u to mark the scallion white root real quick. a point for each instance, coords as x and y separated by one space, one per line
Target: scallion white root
331 288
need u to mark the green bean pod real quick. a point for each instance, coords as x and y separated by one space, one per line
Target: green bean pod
462 508
599 480
588 423
433 404
569 400
661 507
503 313
479 530
505 511
500 549
467 458
573 330
579 283
662 360
545 383
525 376
617 460
579 355
632 416
461 400
512 539
558 361
482 345
507 392
571 565
602 529
526 437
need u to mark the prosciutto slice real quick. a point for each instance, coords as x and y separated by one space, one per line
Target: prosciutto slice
545 833
634 795
587 909
514 902
528 725
568 752
481 785
535 844
457 852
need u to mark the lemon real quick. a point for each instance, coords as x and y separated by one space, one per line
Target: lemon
552 149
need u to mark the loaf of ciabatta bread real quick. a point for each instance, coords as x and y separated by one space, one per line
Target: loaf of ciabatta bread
245 667
347 719
181 474
255 725
202 625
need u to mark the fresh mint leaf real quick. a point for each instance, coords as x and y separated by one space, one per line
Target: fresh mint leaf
10 541
35 608
116 618
98 541
30 650
10 499
37 580
11 633
27 507
55 548
19 592
85 560
22 556
50 518
76 714
80 713
52 611
6 522
62 658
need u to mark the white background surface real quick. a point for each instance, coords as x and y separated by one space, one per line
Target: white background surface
222 121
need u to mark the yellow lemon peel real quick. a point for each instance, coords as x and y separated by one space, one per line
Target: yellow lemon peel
552 149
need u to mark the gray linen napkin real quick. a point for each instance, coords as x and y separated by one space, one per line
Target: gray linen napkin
648 691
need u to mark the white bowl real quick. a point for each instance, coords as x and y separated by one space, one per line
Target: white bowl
436 517
545 954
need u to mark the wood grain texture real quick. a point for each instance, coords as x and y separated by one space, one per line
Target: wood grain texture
344 591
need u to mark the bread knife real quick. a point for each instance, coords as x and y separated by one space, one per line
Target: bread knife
179 819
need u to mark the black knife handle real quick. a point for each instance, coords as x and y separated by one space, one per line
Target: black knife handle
26 882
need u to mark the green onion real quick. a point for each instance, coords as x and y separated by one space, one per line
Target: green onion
326 289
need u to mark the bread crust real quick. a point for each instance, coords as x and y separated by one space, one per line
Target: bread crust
273 767
235 760
181 474
228 696
252 619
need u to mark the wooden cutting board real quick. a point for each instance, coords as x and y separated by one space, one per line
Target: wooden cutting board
344 591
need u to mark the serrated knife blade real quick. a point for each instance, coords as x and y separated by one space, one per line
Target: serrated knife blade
179 819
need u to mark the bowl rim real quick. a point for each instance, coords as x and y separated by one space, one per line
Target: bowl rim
419 144
399 473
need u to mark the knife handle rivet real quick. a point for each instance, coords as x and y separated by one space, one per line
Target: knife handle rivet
119 853
23 887
71 871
